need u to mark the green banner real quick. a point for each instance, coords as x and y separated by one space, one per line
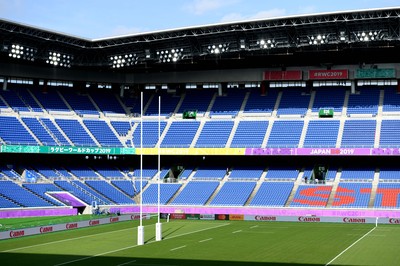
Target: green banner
65 150
375 73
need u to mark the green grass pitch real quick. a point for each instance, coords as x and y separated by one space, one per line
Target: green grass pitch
210 243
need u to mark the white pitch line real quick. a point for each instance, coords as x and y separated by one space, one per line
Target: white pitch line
126 263
204 240
255 226
236 231
341 253
129 247
177 248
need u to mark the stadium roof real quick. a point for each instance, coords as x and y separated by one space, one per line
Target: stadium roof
277 42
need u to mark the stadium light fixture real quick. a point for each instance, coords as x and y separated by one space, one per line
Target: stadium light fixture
59 59
366 36
123 60
218 48
266 44
318 39
21 52
169 56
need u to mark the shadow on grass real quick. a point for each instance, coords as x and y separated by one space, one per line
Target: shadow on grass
21 259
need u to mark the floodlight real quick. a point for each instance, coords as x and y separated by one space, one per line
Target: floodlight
266 44
21 52
123 60
218 48
59 59
167 56
318 39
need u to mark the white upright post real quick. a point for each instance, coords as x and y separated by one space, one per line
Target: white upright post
158 224
140 239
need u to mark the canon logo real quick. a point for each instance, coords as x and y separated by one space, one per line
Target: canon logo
309 219
394 221
17 233
71 226
354 220
94 222
46 229
114 219
265 218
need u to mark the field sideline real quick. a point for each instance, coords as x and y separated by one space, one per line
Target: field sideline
210 243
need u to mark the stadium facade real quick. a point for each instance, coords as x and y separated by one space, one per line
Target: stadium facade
292 112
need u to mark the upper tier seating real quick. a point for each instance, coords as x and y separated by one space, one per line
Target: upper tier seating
329 97
55 132
13 132
107 102
389 136
294 102
75 132
285 133
180 134
322 133
391 100
102 132
149 134
364 102
249 134
257 103
50 99
167 106
359 133
197 100
214 134
80 103
39 130
228 104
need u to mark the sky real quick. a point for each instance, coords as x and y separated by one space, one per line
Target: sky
96 19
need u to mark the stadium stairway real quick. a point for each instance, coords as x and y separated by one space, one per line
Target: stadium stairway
233 131
196 136
375 183
379 120
184 184
304 131
256 188
296 184
335 185
128 139
222 182
80 120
